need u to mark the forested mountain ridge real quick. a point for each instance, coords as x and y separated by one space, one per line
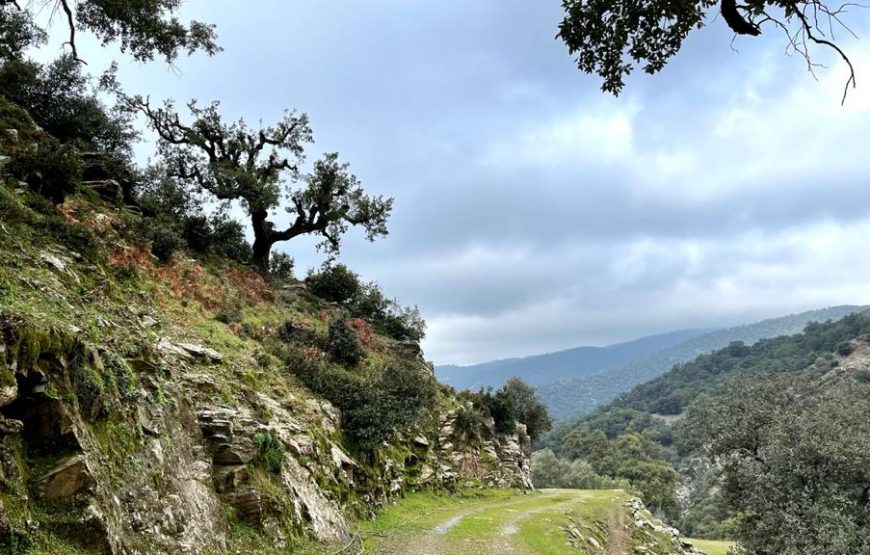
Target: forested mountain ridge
568 398
544 368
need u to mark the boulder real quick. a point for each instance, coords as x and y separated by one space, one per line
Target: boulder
70 476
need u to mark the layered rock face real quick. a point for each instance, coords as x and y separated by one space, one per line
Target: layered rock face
149 454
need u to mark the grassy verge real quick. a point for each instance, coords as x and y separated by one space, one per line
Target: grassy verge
713 547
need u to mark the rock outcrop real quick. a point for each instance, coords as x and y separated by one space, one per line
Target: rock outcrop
151 454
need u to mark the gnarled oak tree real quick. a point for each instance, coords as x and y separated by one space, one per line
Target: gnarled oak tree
610 36
259 167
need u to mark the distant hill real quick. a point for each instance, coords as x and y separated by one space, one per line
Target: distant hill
563 365
567 398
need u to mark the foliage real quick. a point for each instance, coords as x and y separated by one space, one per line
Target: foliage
632 457
342 343
373 407
335 283
548 471
673 391
174 212
529 409
499 406
57 97
610 37
259 167
144 28
281 266
794 461
51 169
270 450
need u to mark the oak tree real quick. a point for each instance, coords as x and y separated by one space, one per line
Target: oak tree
261 169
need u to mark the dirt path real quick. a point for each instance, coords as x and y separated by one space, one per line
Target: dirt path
617 542
502 527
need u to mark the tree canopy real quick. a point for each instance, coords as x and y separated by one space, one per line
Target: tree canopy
609 37
143 28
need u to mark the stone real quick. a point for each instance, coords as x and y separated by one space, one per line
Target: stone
230 454
108 189
231 478
421 441
4 160
249 504
69 477
200 351
149 321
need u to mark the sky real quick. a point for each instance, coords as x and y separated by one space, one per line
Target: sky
533 212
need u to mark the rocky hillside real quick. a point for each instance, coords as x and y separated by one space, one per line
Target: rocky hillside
151 408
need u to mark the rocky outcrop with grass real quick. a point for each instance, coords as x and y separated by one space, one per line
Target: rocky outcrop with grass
188 406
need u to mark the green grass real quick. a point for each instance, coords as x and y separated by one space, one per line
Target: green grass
498 521
713 547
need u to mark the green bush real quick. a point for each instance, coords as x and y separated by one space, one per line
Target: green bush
342 343
334 283
164 237
373 407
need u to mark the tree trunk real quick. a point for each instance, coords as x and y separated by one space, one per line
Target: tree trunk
263 241
262 249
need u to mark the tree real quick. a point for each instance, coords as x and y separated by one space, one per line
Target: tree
609 36
529 409
794 462
144 28
233 162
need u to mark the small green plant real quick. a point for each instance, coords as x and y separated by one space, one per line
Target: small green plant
270 451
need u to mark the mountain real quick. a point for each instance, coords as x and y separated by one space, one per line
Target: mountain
567 398
572 363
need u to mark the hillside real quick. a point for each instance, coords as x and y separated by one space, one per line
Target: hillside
567 398
782 412
570 363
188 405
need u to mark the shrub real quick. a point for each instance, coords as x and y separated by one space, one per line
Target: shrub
281 266
165 238
228 240
51 169
500 406
334 283
374 407
342 343
402 323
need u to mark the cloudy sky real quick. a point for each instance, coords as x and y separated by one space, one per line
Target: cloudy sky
535 213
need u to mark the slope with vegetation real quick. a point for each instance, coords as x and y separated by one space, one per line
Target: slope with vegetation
165 387
743 441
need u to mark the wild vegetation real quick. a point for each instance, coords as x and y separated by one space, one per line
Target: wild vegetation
754 426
